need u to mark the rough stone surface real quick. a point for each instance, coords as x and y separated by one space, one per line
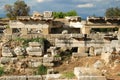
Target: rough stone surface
64 32
92 78
114 43
19 51
91 51
53 51
107 48
47 14
48 59
116 62
34 77
77 55
16 78
84 71
14 60
34 64
48 64
107 57
117 49
34 44
2 78
53 76
6 52
4 60
98 64
97 51
34 51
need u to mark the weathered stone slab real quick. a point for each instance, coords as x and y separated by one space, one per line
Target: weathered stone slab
19 51
85 71
34 51
34 64
47 14
53 76
98 51
76 55
34 77
92 78
22 77
57 58
6 52
34 44
4 60
107 57
91 50
2 78
48 64
98 64
16 78
48 59
14 60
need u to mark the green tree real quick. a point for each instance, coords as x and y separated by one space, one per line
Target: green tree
20 8
113 12
71 13
63 14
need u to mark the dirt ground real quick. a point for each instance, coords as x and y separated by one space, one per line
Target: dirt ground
113 74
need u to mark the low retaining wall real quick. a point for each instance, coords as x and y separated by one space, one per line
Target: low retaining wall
92 78
21 78
43 78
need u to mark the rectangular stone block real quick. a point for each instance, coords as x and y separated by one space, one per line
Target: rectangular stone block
22 77
47 59
12 78
2 78
34 78
48 64
16 78
92 78
24 31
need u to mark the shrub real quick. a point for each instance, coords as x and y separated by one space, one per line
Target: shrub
118 74
1 71
42 70
57 55
68 75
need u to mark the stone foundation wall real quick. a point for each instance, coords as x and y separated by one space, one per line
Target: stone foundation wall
92 78
22 78
43 78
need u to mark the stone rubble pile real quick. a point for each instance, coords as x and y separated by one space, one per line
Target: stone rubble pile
21 60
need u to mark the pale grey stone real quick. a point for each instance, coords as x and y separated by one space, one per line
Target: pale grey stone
34 77
98 51
107 57
48 59
7 52
92 78
19 51
64 32
34 44
91 51
34 51
34 64
86 71
98 64
47 14
4 60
